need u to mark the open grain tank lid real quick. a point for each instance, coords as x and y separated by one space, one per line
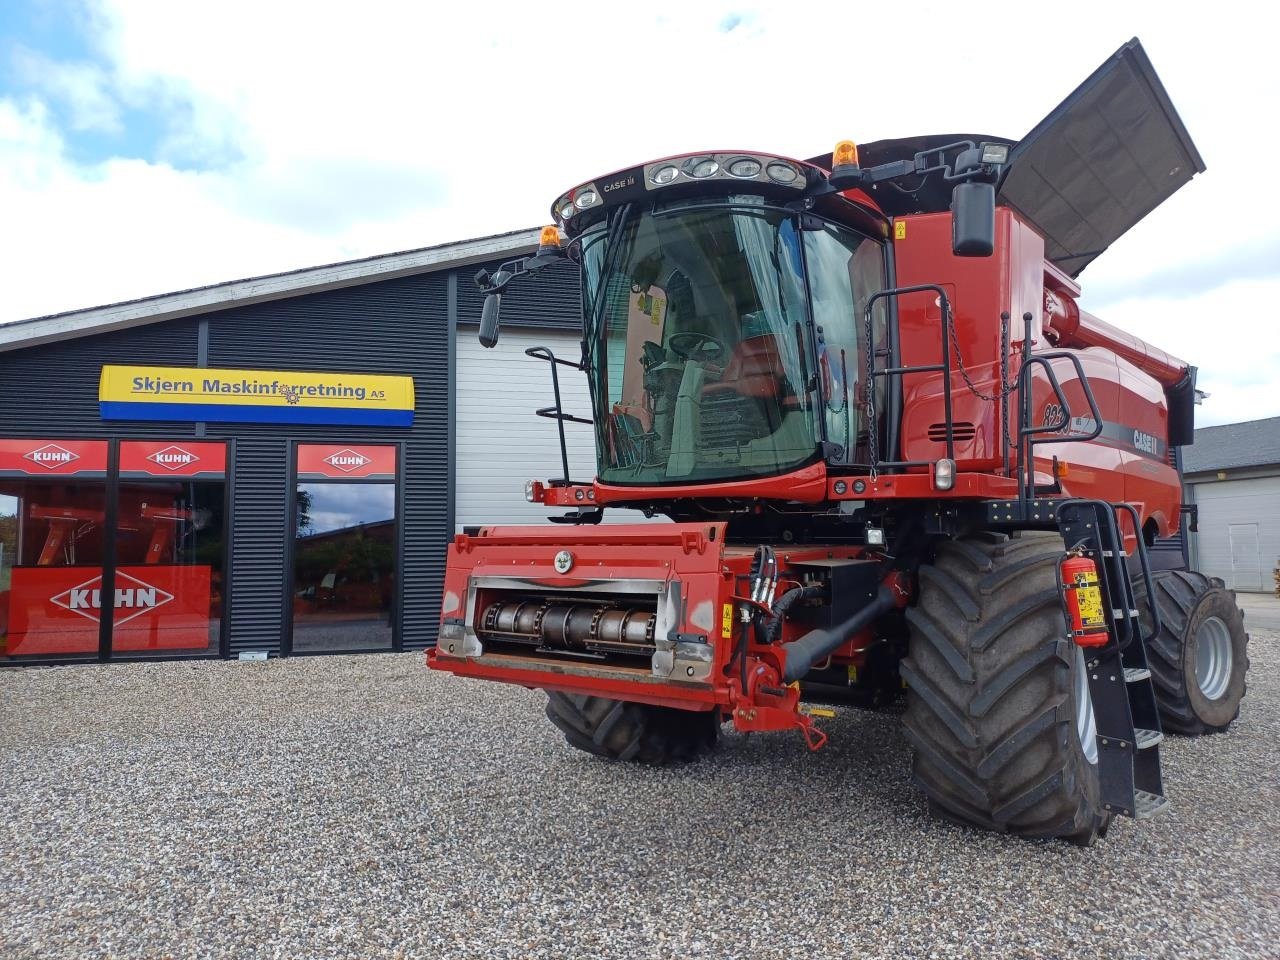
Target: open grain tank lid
1104 158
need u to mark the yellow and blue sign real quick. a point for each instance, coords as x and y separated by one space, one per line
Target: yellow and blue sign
254 396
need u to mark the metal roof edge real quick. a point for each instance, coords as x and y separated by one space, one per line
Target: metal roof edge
70 325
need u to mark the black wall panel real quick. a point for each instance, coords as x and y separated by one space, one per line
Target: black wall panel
52 390
258 531
395 327
548 298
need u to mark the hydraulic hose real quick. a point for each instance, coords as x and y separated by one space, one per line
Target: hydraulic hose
817 645
773 626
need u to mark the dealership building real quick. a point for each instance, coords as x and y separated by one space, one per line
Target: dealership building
272 466
1232 475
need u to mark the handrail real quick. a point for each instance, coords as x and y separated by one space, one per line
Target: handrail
944 367
556 412
1029 434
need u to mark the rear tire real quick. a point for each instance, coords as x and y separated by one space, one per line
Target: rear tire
620 730
1200 657
998 708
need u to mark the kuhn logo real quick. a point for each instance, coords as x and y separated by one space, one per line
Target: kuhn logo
173 458
347 460
51 456
85 599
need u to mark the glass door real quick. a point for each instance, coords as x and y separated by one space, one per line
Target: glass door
345 548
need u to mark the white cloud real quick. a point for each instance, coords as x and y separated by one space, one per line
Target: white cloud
1228 332
304 133
80 87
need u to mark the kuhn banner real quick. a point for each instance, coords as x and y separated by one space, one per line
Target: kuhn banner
339 461
254 396
56 610
160 458
60 458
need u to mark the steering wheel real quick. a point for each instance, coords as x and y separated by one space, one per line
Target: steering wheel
697 346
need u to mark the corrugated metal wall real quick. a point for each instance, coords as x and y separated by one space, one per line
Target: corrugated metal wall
53 390
258 534
398 326
395 326
549 298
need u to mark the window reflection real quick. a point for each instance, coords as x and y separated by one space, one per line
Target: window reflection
344 566
51 552
169 549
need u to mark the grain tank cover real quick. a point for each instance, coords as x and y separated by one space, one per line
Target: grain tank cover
1103 159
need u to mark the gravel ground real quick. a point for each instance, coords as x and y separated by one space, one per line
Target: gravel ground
364 807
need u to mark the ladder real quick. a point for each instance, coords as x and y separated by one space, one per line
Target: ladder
1124 700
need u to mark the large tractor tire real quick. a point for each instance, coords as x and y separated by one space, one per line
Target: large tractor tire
998 706
618 730
1199 658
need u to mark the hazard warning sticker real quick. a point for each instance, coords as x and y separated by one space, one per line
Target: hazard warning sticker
1089 598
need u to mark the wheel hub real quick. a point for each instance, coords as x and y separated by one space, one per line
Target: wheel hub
1086 726
1213 657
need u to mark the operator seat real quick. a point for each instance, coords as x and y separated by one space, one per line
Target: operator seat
755 369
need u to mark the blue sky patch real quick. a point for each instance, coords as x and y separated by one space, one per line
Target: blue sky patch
43 43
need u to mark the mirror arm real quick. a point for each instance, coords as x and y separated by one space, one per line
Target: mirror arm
493 284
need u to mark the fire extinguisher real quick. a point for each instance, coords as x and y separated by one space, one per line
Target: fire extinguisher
1083 600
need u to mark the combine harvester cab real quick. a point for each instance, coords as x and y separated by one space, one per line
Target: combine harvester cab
896 456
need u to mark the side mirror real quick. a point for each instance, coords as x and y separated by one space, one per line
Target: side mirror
489 320
973 219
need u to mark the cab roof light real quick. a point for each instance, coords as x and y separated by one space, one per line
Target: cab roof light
846 152
845 170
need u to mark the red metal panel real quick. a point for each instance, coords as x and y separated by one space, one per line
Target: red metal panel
164 458
56 610
61 458
806 485
342 461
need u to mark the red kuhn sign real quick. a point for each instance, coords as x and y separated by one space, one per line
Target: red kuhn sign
336 461
58 609
162 458
62 458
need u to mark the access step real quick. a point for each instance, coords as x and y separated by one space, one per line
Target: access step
1136 674
1148 805
1146 738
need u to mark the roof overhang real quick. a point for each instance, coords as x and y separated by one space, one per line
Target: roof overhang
237 293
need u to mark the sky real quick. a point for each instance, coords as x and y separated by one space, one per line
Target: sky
150 145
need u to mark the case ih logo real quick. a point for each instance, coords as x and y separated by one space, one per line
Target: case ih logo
173 458
51 456
347 460
133 594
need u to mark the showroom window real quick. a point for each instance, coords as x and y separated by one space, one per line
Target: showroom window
153 530
170 544
345 548
53 509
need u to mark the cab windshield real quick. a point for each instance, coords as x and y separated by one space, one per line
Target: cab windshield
698 343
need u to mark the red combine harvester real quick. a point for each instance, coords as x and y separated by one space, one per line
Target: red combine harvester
896 453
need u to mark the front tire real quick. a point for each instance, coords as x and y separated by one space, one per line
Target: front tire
638 732
1200 657
998 706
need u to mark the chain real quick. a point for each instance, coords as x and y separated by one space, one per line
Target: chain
1006 387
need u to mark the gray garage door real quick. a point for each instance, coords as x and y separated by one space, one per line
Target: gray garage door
1239 537
500 442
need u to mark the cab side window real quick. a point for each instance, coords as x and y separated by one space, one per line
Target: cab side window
845 269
